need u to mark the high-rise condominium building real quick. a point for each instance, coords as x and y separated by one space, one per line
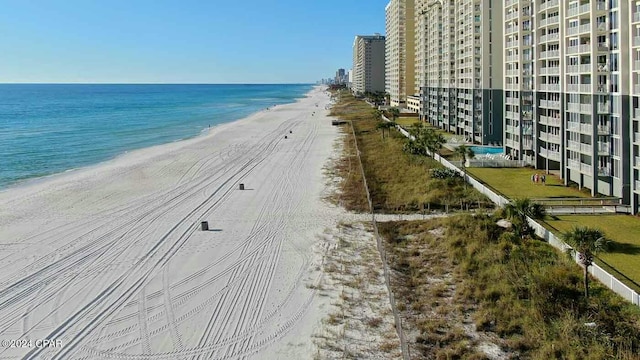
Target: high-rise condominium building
572 88
399 52
368 64
341 76
459 59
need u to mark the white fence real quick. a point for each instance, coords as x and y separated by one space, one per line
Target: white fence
603 276
599 273
404 345
501 163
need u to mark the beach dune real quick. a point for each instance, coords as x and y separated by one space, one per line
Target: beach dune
110 262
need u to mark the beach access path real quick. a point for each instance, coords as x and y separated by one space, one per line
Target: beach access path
109 261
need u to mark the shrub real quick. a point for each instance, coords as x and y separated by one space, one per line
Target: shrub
444 173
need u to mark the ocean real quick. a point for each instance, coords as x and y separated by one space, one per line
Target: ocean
50 128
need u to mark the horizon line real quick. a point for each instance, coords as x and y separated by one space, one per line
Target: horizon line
153 83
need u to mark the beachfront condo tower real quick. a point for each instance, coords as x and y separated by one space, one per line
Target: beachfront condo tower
572 88
368 64
459 62
399 51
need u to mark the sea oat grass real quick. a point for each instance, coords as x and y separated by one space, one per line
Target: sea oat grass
524 295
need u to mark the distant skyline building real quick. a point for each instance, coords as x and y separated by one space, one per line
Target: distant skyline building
399 51
368 64
340 76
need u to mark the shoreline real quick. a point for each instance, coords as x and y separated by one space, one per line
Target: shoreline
203 133
123 239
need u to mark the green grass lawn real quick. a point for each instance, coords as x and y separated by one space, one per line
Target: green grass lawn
406 122
516 183
624 230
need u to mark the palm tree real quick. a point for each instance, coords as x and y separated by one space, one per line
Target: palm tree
395 112
517 212
587 242
464 152
381 126
434 141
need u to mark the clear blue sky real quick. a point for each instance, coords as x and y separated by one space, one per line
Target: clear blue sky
181 41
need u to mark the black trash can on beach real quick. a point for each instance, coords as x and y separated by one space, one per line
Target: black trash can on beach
204 225
241 186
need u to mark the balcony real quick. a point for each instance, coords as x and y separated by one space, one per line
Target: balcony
586 148
550 70
578 49
636 162
512 58
603 108
604 149
550 87
578 127
637 189
550 154
543 136
548 4
636 137
573 164
549 37
550 121
510 16
510 29
575 11
584 68
636 41
583 88
549 54
585 28
636 17
556 139
604 129
573 145
553 104
572 88
512 101
604 171
550 20
586 108
510 143
577 165
508 3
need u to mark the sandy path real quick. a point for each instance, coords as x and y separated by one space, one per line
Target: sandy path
109 260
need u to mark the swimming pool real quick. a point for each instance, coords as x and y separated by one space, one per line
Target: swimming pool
484 150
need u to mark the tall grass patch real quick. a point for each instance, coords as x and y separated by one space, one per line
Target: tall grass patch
524 293
400 182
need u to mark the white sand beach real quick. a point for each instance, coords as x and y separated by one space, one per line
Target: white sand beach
110 260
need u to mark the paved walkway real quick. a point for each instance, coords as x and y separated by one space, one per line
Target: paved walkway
394 217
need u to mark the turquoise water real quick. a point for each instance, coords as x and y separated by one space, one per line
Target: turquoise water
47 129
483 150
